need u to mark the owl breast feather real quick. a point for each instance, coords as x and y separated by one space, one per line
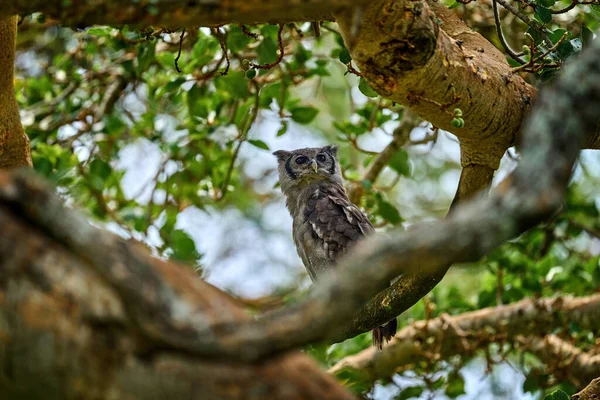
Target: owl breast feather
326 227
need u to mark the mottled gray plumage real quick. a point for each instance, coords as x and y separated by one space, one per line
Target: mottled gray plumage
325 223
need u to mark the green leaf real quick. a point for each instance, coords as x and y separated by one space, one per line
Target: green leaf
389 212
365 89
99 172
455 386
557 395
100 168
304 115
344 56
283 129
537 38
100 31
184 248
586 36
258 143
268 93
409 393
543 14
237 40
557 35
267 51
301 54
399 163
567 48
174 85
234 83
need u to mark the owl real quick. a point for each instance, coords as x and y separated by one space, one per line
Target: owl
325 223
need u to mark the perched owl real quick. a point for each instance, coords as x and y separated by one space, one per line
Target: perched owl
325 223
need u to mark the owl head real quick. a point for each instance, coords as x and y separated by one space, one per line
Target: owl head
301 167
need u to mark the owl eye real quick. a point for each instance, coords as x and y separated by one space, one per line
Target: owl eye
321 157
301 160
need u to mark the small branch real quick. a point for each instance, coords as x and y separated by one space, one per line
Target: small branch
590 392
248 33
532 23
445 336
566 9
221 37
563 358
179 52
281 52
506 46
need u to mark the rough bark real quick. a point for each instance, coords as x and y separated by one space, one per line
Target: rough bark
465 334
67 333
577 366
591 391
14 144
178 13
408 57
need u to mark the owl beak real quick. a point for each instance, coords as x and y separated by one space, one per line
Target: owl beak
315 166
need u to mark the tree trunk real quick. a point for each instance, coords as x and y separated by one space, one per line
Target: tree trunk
14 144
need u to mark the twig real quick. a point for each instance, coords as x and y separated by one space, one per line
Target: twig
221 37
503 41
179 53
519 14
248 33
316 28
281 52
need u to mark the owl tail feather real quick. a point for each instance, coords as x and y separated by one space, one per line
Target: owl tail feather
386 332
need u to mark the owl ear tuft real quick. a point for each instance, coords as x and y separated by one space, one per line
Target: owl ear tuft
281 155
332 149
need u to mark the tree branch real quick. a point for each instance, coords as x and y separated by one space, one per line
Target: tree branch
591 391
65 332
464 334
14 143
578 366
179 13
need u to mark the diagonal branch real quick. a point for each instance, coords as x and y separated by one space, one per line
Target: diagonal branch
561 356
469 332
590 392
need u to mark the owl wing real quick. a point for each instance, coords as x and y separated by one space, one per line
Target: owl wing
335 221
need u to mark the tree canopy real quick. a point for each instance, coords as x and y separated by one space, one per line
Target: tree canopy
157 119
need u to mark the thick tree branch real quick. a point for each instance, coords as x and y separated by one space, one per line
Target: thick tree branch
179 13
66 333
434 68
14 144
467 333
591 391
166 307
561 356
